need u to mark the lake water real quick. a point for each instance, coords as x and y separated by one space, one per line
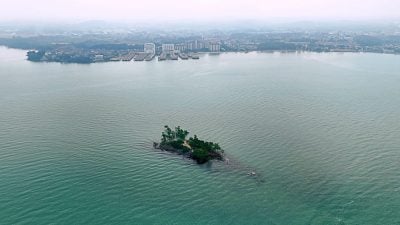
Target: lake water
322 132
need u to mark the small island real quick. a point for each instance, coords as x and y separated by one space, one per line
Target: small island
194 148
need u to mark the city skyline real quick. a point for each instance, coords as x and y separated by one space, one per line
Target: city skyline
207 10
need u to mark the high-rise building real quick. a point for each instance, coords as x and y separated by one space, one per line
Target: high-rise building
190 46
214 47
198 45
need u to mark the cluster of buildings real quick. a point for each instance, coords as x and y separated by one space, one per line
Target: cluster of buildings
192 46
145 52
187 50
179 46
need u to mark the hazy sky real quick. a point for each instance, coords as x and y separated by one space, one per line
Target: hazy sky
221 10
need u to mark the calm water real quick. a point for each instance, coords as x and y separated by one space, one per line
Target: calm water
322 131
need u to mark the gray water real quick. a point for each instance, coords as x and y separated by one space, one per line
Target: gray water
322 132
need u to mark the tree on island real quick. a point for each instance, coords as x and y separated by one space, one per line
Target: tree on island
204 151
196 149
174 138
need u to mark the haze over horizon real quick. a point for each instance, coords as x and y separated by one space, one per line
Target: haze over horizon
206 10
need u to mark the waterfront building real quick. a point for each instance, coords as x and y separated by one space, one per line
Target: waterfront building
214 47
180 47
206 45
190 46
199 44
150 48
99 58
168 47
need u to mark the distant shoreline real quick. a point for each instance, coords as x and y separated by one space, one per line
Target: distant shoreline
209 53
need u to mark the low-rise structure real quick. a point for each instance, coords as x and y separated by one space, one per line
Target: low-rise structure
150 48
168 47
180 47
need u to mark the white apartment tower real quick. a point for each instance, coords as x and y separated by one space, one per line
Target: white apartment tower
214 47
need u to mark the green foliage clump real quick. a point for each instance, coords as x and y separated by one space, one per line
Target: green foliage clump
201 151
178 135
204 151
194 142
200 155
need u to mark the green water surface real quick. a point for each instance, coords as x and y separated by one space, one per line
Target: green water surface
322 132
